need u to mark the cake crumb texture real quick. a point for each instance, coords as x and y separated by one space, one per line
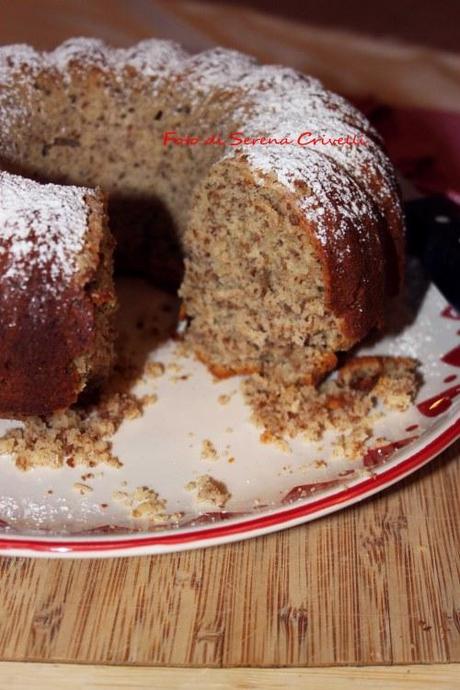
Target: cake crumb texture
208 450
348 404
145 502
73 437
82 489
207 489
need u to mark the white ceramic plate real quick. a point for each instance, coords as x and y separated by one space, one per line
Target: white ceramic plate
271 489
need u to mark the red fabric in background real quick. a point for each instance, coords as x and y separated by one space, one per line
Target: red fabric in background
423 144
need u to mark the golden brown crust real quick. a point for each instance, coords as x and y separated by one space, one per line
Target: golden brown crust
354 273
46 354
325 364
221 372
358 372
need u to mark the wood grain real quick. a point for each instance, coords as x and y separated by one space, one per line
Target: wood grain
375 584
23 676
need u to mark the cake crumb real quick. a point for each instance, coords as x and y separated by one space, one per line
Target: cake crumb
145 502
78 436
224 399
7 444
175 366
209 490
82 489
347 404
154 369
149 399
379 441
120 496
268 437
352 445
208 450
180 377
320 463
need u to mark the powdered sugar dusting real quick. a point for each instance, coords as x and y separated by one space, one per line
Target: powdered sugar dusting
268 100
151 58
42 228
286 104
327 210
218 68
278 102
18 65
15 57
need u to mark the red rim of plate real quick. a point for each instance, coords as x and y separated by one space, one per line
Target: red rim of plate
354 493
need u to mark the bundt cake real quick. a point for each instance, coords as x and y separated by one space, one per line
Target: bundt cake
286 251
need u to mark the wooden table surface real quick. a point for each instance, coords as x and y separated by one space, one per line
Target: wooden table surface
375 585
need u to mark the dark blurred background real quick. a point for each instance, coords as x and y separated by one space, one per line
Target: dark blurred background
433 23
398 52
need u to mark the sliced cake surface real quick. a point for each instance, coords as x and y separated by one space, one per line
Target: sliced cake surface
282 253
